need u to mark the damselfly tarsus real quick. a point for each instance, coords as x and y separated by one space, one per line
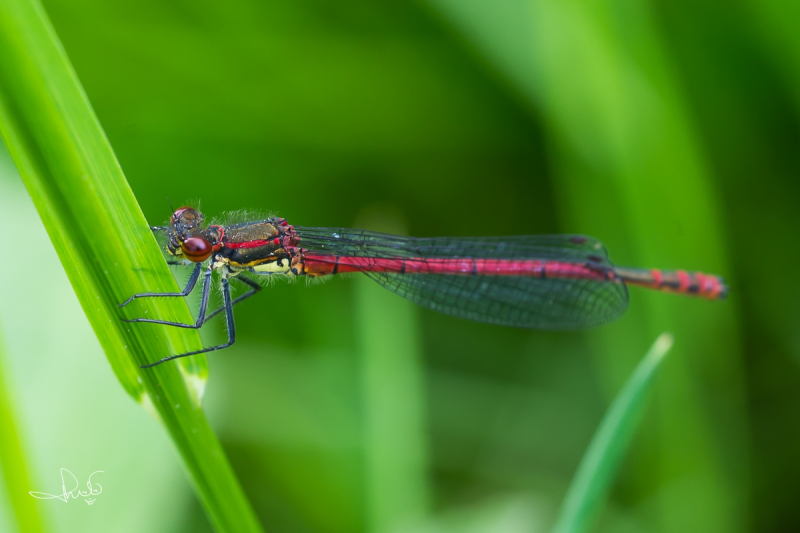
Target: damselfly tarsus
543 281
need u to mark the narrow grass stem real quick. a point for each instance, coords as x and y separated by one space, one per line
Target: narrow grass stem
601 461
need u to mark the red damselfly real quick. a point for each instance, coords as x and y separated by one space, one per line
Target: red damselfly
544 281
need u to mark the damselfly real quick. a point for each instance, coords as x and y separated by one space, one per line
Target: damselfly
545 281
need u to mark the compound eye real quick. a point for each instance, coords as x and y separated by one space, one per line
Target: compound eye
196 249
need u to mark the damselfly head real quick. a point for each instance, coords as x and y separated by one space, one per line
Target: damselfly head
185 221
187 236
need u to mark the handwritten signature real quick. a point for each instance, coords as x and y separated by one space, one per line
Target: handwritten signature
68 478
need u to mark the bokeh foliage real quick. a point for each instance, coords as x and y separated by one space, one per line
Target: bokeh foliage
666 129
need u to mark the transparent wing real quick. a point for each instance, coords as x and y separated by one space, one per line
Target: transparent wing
512 300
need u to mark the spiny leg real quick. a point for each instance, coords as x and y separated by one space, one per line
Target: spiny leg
254 288
185 292
228 306
201 316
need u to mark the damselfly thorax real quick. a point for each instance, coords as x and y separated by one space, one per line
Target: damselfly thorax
541 281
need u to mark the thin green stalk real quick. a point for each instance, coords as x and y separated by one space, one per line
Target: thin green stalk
601 461
105 246
12 460
392 377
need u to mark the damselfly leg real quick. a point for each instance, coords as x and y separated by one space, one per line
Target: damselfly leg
185 292
201 316
254 288
228 306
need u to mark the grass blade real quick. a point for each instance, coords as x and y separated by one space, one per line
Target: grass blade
393 392
105 245
601 460
12 460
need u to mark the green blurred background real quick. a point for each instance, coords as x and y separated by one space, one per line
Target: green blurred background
669 130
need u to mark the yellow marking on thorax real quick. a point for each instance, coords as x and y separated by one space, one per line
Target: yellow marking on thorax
266 265
272 264
272 267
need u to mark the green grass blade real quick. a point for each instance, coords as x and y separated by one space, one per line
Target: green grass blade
395 446
393 388
12 459
601 460
105 245
77 186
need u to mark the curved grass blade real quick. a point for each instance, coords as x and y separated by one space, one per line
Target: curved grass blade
105 245
599 465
